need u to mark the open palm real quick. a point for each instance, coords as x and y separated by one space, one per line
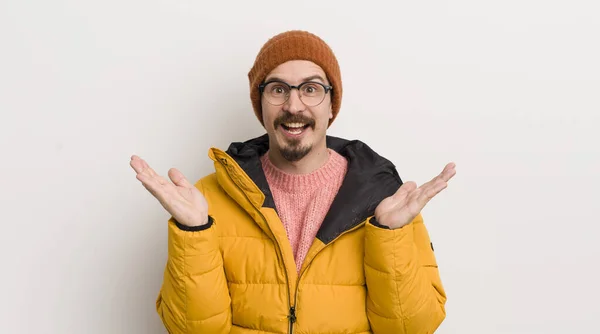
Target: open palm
180 198
408 201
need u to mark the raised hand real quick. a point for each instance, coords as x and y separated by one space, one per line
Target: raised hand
403 206
180 198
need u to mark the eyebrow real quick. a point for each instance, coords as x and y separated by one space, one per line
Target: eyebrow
310 78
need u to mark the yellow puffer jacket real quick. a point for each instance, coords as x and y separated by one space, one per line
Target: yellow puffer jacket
237 274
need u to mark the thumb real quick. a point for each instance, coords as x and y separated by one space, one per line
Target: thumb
177 177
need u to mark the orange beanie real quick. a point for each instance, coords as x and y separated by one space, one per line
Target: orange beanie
295 45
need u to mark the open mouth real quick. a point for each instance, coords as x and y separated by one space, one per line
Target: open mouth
294 128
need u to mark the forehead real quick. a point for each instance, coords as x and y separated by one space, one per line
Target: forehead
295 71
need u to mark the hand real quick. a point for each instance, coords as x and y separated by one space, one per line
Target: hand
181 199
402 207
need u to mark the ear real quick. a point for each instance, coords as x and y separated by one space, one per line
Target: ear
330 111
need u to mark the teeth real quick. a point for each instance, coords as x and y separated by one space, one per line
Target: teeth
294 125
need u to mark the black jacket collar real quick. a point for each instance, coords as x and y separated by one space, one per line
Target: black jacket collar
370 179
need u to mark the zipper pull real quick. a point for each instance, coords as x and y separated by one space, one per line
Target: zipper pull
292 314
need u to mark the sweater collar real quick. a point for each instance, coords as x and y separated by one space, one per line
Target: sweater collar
288 182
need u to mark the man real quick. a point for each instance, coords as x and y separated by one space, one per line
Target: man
297 231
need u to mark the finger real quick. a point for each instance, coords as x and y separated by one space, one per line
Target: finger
404 190
161 189
151 184
422 195
148 169
425 186
429 192
177 177
136 164
161 180
448 172
141 166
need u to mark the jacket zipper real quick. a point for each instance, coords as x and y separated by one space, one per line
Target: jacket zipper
292 315
293 308
292 318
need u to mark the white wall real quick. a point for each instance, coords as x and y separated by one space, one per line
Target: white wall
506 89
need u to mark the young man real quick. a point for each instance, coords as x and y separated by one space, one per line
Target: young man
297 231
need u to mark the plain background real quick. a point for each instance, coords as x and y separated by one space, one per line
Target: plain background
509 90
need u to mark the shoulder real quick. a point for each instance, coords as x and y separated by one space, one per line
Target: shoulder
207 184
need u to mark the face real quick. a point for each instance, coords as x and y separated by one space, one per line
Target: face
295 128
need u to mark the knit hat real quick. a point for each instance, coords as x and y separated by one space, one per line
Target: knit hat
295 45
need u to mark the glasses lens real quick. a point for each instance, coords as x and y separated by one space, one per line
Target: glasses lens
276 93
312 93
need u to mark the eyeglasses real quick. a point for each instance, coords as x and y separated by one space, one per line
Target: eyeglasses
278 92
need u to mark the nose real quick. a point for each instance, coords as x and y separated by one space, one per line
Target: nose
294 104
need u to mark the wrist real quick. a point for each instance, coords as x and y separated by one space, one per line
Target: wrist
207 224
384 225
376 223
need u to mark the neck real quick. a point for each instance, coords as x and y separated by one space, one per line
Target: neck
316 158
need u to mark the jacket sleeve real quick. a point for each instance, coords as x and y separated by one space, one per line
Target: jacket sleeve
194 297
405 293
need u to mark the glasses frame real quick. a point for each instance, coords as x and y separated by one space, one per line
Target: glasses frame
326 88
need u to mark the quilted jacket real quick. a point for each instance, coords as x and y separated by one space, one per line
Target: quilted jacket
237 273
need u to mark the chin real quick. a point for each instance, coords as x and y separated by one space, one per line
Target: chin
293 150
294 154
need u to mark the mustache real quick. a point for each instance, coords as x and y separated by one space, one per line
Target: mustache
288 117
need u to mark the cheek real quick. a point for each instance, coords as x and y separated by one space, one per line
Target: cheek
324 116
268 114
329 107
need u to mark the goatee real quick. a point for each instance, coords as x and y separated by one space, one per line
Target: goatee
293 151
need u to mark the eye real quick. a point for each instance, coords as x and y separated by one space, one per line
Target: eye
278 89
312 89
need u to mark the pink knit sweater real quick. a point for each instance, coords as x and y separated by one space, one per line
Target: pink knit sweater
302 200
